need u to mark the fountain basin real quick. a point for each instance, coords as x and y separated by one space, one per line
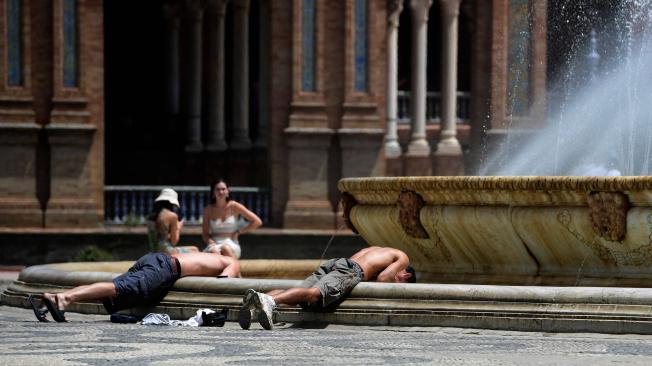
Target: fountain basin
526 308
564 231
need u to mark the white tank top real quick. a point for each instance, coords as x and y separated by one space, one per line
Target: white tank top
224 228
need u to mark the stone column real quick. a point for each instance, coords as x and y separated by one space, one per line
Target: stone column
171 15
392 147
22 90
263 73
417 159
19 206
308 136
241 139
191 82
308 206
215 17
448 157
75 132
362 130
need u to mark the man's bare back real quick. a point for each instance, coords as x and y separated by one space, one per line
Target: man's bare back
380 263
330 283
207 264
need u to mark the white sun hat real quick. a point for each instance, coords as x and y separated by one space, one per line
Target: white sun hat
168 194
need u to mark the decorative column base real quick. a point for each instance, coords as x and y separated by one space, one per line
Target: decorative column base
317 215
393 166
243 167
194 147
240 143
448 165
216 146
448 160
75 195
19 206
417 165
361 151
308 205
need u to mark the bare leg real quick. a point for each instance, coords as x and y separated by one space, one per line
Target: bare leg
96 291
212 248
275 292
295 296
227 251
232 270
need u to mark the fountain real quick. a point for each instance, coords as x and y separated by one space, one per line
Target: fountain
599 117
550 219
568 231
550 208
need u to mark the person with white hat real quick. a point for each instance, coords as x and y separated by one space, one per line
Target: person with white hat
164 226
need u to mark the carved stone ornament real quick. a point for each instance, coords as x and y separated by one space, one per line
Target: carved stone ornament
394 8
608 214
410 204
348 201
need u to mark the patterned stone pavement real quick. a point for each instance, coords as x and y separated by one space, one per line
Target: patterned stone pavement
93 340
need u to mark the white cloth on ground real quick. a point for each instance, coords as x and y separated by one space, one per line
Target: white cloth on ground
164 319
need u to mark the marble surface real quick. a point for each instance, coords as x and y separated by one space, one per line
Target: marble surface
514 230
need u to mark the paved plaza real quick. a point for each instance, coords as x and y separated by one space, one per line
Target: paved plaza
93 340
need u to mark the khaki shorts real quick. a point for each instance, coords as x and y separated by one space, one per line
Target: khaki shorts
335 278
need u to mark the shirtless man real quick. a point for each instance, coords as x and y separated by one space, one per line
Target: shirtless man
145 284
332 281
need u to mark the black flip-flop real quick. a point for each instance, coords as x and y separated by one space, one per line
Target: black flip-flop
58 315
40 313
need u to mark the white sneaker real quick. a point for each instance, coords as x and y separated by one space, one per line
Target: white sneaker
246 311
265 306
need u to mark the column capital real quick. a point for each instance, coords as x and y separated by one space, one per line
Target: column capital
171 11
420 10
394 9
241 4
450 7
193 10
216 7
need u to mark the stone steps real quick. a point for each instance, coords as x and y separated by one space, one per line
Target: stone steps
523 308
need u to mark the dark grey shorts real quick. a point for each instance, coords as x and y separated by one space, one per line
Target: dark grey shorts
335 278
145 284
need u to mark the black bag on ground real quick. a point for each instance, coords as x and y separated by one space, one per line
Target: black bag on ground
125 318
215 319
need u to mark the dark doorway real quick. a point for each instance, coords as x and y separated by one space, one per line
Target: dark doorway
133 54
145 144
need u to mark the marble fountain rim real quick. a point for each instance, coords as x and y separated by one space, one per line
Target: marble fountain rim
496 191
515 183
55 276
525 308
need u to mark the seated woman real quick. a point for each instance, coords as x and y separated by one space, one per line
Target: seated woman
163 225
220 227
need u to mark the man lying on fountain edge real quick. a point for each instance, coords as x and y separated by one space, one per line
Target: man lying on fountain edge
145 284
332 281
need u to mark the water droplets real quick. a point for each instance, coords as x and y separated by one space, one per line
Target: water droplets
601 120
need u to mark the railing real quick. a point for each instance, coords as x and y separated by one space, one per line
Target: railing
433 107
130 205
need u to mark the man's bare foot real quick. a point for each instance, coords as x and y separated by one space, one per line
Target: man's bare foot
55 306
58 299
